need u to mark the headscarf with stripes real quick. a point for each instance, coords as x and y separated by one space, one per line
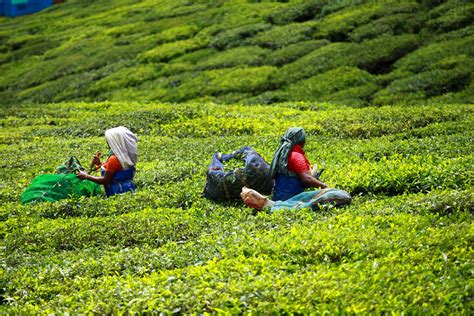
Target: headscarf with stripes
293 136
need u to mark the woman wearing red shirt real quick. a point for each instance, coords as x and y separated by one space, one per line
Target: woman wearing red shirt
292 173
290 168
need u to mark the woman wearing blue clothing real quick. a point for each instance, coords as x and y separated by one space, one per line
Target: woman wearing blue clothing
118 171
292 173
290 168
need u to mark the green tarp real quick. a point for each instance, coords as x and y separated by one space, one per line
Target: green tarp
54 187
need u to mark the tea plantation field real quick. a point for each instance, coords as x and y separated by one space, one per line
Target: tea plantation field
403 246
350 52
383 89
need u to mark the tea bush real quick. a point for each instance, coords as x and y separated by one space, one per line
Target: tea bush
396 24
218 81
168 51
125 77
280 36
44 56
450 74
374 55
402 246
450 16
290 53
244 55
337 25
405 240
320 60
299 11
333 84
237 36
424 57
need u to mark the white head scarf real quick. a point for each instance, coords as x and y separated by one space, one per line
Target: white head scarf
123 144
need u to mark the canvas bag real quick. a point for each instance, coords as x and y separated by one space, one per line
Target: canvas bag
54 187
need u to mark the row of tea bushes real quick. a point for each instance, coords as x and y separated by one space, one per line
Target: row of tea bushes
406 237
172 51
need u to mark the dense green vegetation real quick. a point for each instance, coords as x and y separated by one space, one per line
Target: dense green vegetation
356 53
404 245
383 89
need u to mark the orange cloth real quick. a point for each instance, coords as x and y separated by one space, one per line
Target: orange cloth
112 164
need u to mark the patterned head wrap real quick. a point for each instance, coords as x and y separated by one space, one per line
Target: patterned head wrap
293 136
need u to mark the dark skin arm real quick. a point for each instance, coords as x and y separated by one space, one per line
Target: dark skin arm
310 181
106 179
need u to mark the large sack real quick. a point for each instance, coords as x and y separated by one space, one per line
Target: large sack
62 185
54 187
224 185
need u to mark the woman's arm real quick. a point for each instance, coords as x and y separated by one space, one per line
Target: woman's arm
311 181
106 179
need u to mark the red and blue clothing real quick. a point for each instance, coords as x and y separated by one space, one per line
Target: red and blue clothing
287 186
122 180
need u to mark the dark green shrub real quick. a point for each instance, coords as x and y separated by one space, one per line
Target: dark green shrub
216 82
77 40
171 50
337 26
396 24
67 87
268 97
461 33
195 56
427 84
4 49
334 6
20 41
173 69
445 6
125 30
340 84
244 55
6 57
355 97
40 73
251 79
322 59
237 36
280 36
290 53
296 12
456 97
236 15
378 55
33 49
176 33
430 3
454 18
424 57
124 77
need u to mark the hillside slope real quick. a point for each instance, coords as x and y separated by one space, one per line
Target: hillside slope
351 52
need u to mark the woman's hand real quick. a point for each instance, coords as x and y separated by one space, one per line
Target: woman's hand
310 181
95 161
82 175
